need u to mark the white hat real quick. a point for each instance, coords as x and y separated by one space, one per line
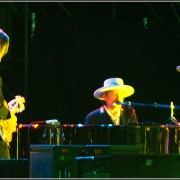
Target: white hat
114 84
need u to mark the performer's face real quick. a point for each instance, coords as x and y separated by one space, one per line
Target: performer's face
111 97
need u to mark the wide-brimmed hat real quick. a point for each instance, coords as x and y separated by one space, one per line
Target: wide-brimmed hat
114 84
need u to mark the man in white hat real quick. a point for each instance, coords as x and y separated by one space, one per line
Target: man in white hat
112 111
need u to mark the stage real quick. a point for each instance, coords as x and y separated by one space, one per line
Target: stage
101 151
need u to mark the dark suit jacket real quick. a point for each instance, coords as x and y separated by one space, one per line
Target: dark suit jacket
101 117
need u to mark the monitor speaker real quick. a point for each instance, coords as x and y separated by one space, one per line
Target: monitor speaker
53 161
14 168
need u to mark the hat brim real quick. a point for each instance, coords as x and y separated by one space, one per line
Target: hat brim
125 91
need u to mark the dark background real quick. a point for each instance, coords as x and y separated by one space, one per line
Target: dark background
75 46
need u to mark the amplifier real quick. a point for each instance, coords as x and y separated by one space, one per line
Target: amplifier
54 161
97 162
72 161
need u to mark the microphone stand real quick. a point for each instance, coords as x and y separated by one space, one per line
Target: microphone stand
155 105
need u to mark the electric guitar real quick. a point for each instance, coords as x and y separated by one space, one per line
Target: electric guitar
8 126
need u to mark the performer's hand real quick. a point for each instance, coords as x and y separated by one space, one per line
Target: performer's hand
17 105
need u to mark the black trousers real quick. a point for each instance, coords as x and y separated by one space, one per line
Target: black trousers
4 150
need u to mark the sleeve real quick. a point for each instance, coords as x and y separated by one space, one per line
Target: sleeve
134 116
131 115
4 111
88 119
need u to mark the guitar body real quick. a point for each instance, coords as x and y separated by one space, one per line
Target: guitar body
8 126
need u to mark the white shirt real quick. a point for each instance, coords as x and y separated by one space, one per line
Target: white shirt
115 119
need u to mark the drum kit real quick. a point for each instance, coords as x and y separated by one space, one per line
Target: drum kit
150 137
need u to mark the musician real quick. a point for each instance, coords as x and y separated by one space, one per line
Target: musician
8 120
112 94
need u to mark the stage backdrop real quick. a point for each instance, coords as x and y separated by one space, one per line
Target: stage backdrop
70 57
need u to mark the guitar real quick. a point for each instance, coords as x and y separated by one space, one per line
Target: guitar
8 126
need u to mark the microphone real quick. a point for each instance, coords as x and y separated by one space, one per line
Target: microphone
126 103
178 68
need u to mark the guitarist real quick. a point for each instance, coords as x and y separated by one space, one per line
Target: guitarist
8 120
